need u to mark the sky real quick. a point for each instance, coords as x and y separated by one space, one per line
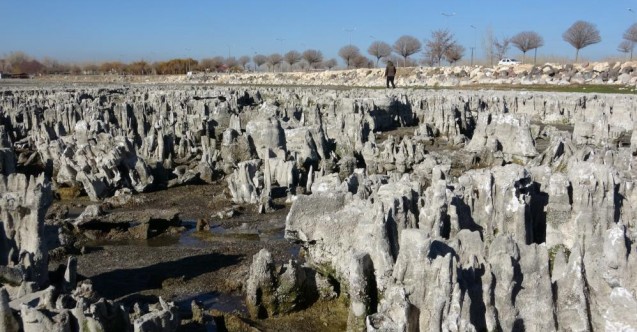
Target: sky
131 30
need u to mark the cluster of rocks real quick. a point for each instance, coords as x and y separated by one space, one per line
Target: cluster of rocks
594 73
31 298
602 73
507 247
482 210
516 224
95 223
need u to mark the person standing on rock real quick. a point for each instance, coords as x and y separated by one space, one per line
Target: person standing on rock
390 72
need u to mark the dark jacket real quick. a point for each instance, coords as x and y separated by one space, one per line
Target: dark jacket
390 70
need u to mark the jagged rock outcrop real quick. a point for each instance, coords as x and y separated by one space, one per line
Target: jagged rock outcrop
23 204
273 291
558 152
246 183
488 252
8 322
506 133
101 140
163 318
324 224
426 210
93 222
597 132
8 160
24 279
268 136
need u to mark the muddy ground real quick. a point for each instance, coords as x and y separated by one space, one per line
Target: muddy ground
209 266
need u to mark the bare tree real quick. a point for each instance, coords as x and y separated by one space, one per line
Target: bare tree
243 61
349 52
52 66
361 61
137 68
631 36
93 68
580 35
313 57
274 59
406 46
437 46
231 62
501 47
626 46
15 61
454 53
75 69
292 57
189 63
32 67
378 50
398 59
219 63
116 67
631 33
205 64
526 41
442 46
487 44
259 60
330 64
428 59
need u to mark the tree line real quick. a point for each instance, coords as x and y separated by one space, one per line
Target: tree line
441 47
19 62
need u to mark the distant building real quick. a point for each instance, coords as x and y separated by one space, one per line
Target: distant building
20 75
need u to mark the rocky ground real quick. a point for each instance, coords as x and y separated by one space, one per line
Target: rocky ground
194 206
209 266
618 74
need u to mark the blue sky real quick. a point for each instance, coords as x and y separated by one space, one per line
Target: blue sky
129 30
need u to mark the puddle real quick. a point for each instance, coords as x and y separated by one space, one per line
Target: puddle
192 239
255 234
275 234
75 212
218 232
229 303
218 229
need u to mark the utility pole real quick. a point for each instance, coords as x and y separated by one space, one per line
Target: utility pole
281 40
474 42
349 31
187 60
254 52
448 15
